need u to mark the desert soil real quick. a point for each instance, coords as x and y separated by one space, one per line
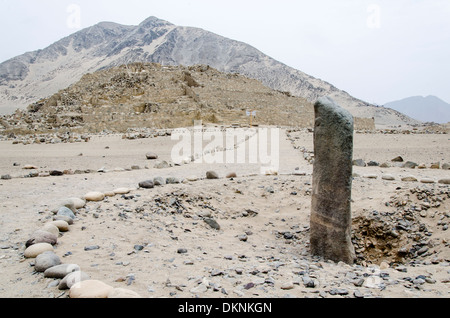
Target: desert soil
261 249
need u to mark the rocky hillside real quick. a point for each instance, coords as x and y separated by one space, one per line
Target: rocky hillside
35 75
154 96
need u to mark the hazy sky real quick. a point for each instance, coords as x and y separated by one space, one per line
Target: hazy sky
376 50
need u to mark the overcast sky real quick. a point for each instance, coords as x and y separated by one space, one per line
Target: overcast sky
376 50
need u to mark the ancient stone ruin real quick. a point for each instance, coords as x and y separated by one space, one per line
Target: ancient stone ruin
332 183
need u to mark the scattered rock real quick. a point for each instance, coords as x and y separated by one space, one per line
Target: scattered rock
338 291
56 173
77 203
287 286
94 196
159 181
182 251
212 223
410 164
162 165
51 228
269 189
445 181
63 211
446 166
147 184
436 165
384 265
37 249
151 156
45 261
231 175
250 213
359 163
61 271
397 159
41 236
308 282
121 191
172 180
409 179
72 278
388 177
29 167
90 289
243 237
212 175
91 248
62 225
64 218
200 289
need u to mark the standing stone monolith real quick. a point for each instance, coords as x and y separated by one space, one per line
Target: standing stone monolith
330 229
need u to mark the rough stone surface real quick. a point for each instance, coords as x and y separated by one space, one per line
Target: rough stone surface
332 183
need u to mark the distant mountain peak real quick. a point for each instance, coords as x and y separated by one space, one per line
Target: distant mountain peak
39 74
152 22
423 108
108 25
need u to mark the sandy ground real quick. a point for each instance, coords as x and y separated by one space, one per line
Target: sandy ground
250 256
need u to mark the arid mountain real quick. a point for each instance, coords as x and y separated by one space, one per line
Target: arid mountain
425 109
39 74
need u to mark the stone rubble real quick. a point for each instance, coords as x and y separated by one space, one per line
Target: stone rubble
406 235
